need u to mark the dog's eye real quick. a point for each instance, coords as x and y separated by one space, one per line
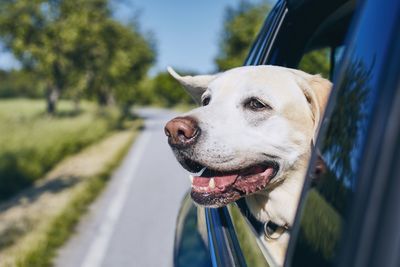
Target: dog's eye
206 101
256 105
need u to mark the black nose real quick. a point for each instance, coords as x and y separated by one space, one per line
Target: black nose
182 131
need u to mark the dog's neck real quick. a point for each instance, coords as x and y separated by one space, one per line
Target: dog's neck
278 203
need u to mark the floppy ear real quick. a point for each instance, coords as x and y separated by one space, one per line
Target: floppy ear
317 91
194 85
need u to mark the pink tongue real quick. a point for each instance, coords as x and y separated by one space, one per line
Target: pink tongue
220 182
200 181
224 181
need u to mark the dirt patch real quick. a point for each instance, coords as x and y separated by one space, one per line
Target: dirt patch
24 218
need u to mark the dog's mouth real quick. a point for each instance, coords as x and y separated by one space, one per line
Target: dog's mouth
218 188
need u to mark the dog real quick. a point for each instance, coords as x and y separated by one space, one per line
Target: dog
251 137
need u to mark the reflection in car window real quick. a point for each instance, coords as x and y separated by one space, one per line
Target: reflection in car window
247 239
338 55
326 210
190 245
334 181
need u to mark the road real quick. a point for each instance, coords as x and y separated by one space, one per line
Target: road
132 223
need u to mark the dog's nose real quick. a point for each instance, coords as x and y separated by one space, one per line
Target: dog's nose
182 131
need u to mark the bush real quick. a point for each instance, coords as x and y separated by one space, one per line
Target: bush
163 90
20 83
31 143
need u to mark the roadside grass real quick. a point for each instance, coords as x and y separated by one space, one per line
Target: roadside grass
61 228
31 142
38 247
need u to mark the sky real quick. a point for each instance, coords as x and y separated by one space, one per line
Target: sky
187 33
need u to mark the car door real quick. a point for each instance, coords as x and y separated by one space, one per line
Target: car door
350 216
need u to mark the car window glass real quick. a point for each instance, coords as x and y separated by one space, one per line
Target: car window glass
338 54
247 239
190 248
334 173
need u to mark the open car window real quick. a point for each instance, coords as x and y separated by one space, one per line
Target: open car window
323 61
348 153
317 52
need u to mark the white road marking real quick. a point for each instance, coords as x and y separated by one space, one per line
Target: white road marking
99 245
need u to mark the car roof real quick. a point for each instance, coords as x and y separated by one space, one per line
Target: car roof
296 4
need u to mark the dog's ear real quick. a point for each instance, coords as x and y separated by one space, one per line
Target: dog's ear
322 90
194 85
317 91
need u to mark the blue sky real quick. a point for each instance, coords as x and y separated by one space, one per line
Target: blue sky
7 60
186 32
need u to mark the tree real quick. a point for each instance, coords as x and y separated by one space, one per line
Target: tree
125 63
76 46
316 62
168 91
241 25
37 40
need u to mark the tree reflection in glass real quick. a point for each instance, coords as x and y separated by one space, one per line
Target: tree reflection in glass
334 178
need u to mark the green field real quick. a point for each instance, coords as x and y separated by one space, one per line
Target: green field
31 142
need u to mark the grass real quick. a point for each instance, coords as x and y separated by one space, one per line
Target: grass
31 142
61 226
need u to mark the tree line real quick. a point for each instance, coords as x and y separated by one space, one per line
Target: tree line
76 49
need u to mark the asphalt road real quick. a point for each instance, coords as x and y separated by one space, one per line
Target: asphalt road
133 222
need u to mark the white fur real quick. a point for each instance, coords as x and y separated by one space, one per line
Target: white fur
233 136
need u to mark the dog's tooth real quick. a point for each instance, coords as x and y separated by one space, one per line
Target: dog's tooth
211 183
191 178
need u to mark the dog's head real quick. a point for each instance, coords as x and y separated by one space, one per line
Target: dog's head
255 125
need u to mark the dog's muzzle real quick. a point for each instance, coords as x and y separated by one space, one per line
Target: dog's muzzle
182 131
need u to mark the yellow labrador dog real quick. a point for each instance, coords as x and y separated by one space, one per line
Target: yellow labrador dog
250 138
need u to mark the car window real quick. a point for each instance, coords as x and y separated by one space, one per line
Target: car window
334 179
190 246
323 61
267 33
247 239
318 51
334 175
317 62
